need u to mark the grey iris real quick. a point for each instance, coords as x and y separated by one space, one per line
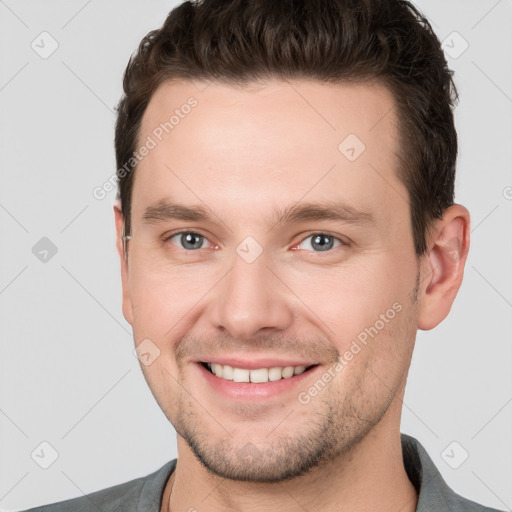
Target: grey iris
191 240
325 242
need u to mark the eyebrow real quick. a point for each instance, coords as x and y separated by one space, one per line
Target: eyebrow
166 210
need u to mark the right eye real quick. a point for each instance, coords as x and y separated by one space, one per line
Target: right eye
188 240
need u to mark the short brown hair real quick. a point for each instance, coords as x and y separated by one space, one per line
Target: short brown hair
335 41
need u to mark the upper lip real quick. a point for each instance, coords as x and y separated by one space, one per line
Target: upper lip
254 364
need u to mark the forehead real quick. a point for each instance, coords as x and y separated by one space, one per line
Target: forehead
269 143
306 109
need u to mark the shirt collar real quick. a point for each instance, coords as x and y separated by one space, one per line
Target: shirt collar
433 492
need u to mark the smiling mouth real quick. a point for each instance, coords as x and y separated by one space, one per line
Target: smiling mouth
259 375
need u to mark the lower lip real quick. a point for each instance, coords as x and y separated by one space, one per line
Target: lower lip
254 391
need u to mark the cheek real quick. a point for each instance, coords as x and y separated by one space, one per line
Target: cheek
162 296
345 300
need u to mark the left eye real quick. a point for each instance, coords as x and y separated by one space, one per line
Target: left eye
321 242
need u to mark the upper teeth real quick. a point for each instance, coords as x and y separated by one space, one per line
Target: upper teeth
227 372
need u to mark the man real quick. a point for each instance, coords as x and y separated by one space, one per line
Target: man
285 224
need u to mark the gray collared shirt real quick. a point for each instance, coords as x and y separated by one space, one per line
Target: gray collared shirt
145 494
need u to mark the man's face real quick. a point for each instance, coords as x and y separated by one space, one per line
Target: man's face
244 290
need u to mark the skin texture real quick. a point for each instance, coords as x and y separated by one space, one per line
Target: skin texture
242 153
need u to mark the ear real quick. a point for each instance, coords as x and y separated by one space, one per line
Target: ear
443 265
123 256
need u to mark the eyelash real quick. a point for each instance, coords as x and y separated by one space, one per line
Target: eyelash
330 251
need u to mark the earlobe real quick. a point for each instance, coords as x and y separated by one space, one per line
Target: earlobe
120 245
443 266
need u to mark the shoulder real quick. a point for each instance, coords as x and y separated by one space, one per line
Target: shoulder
461 504
142 493
433 492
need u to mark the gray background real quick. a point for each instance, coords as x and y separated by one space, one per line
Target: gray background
68 376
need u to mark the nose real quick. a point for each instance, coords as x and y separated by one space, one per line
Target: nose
252 300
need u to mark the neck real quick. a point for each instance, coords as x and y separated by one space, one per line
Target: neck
369 477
